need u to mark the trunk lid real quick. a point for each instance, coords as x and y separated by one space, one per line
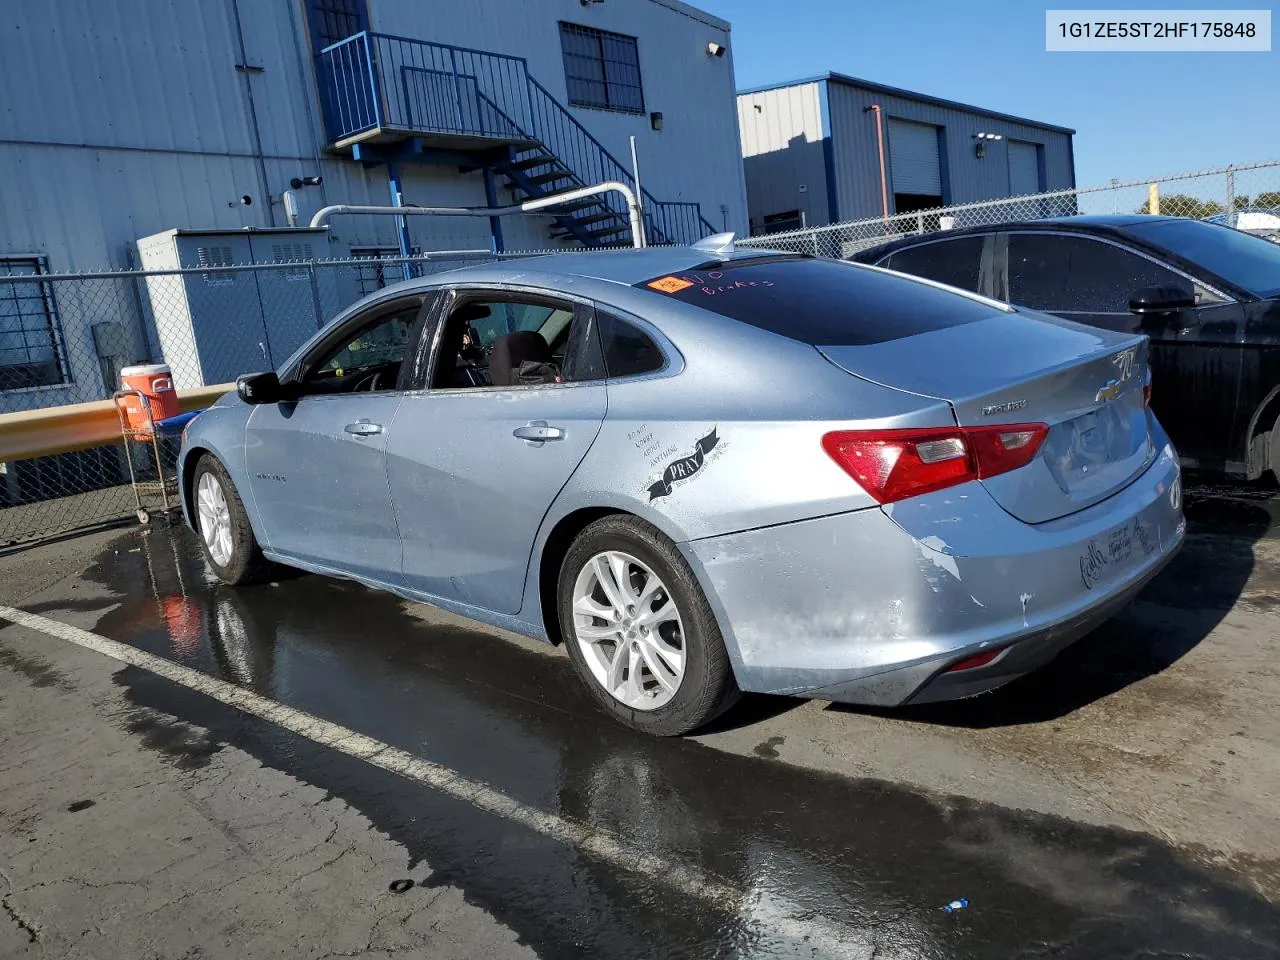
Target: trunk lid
1020 367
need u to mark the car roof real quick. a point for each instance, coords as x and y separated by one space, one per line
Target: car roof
625 266
1109 224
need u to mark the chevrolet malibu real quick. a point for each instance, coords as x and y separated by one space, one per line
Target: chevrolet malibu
708 471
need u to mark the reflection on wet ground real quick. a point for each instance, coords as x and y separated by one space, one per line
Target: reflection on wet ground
864 866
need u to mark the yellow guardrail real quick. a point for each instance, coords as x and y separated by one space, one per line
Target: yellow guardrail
78 426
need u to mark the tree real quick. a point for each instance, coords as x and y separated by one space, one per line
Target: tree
1267 201
1182 205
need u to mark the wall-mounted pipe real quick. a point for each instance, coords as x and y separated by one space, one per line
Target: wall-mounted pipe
529 206
884 180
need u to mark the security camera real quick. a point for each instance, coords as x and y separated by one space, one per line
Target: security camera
715 49
299 182
244 201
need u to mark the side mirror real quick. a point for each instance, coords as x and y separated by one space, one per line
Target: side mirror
1156 300
259 387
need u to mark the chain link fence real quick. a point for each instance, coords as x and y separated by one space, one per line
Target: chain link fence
1246 197
64 338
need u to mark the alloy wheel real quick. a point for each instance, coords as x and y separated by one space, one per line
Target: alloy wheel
215 519
628 628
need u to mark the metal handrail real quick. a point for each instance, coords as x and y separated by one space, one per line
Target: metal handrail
451 87
528 206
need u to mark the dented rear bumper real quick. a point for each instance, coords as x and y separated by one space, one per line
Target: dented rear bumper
872 606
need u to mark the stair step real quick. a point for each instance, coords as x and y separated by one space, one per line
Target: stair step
596 234
545 178
528 163
573 206
597 217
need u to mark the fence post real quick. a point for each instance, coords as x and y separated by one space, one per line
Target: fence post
1231 194
315 294
815 244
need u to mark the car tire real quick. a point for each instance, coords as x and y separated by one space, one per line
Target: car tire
704 687
220 520
1273 451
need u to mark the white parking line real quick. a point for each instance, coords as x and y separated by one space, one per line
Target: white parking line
816 936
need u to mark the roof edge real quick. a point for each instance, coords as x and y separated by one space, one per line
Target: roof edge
692 12
910 94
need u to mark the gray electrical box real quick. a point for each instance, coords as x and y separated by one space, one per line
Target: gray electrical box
216 324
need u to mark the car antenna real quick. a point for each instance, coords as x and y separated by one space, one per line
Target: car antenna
719 244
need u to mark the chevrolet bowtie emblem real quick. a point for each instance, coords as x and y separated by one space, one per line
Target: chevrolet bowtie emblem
1109 391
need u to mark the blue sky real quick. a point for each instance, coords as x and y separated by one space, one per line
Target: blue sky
1135 114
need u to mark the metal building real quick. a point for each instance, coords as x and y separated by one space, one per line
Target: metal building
835 148
130 117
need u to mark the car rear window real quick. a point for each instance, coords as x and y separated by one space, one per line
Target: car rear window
822 302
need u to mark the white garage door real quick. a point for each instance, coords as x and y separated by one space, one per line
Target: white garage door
913 158
1024 169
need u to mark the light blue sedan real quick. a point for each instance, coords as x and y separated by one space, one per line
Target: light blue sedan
708 471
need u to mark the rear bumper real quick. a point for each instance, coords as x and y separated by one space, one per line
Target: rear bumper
873 606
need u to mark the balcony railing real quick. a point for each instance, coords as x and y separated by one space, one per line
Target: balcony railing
378 84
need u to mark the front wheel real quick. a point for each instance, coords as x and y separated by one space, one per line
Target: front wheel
639 630
225 534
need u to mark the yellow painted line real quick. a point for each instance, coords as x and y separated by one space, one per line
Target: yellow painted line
756 909
78 426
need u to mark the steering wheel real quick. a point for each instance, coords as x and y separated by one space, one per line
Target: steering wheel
370 382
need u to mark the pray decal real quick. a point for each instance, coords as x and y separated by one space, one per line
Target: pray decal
685 468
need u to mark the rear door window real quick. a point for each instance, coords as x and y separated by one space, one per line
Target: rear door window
822 302
628 350
1069 274
957 263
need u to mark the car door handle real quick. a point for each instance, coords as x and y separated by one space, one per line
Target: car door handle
363 428
537 431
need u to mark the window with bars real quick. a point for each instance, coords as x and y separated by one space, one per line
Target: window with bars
31 349
601 69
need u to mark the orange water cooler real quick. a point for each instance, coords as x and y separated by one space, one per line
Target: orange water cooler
147 396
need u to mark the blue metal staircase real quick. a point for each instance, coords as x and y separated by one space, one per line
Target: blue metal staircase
418 99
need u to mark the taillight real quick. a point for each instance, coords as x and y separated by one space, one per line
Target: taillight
892 465
1146 390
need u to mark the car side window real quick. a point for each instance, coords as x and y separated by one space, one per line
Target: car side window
957 263
1070 274
628 350
366 359
499 341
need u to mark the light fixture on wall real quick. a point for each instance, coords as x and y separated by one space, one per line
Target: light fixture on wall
716 49
655 120
980 148
299 182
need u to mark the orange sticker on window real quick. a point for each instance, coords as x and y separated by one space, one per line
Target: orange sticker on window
669 284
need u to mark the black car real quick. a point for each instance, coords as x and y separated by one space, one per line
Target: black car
1207 296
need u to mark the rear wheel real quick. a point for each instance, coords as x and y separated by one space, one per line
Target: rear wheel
639 630
225 535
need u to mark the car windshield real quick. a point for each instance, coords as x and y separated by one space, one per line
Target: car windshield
1249 262
823 302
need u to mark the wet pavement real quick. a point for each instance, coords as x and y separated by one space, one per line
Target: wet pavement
824 864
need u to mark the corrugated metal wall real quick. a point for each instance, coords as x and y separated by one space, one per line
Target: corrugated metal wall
857 166
784 153
126 117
